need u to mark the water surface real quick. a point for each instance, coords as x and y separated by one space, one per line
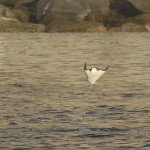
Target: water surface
43 87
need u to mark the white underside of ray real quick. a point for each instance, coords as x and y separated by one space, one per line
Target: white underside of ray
93 75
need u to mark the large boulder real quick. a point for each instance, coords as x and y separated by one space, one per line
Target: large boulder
64 10
142 19
124 7
15 2
102 5
23 9
134 10
5 12
99 10
22 13
69 10
142 5
16 20
73 15
148 27
130 7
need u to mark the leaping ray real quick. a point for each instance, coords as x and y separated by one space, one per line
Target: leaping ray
93 74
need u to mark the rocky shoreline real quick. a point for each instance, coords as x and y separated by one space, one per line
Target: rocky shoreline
74 16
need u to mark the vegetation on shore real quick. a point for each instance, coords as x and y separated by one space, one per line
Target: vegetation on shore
83 26
16 26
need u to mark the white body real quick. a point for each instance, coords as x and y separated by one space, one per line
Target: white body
94 74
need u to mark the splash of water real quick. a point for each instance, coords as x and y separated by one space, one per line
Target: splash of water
84 116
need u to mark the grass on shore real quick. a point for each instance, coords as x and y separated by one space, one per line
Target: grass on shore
16 26
73 26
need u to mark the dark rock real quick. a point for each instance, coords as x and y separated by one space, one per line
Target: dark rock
142 5
33 11
124 7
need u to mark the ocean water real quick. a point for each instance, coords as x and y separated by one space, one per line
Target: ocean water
43 102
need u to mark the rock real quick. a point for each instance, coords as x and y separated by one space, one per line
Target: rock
2 1
142 19
112 18
137 12
142 5
24 10
69 10
22 13
15 2
148 27
102 5
32 10
6 12
125 8
129 27
64 10
73 11
10 20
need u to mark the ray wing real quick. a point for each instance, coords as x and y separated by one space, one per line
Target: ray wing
87 73
100 73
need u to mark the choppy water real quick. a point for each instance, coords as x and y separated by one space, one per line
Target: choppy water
42 91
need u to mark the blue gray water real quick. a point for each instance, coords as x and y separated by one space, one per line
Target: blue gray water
43 87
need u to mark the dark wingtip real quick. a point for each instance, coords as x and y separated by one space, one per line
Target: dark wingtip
85 68
106 68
